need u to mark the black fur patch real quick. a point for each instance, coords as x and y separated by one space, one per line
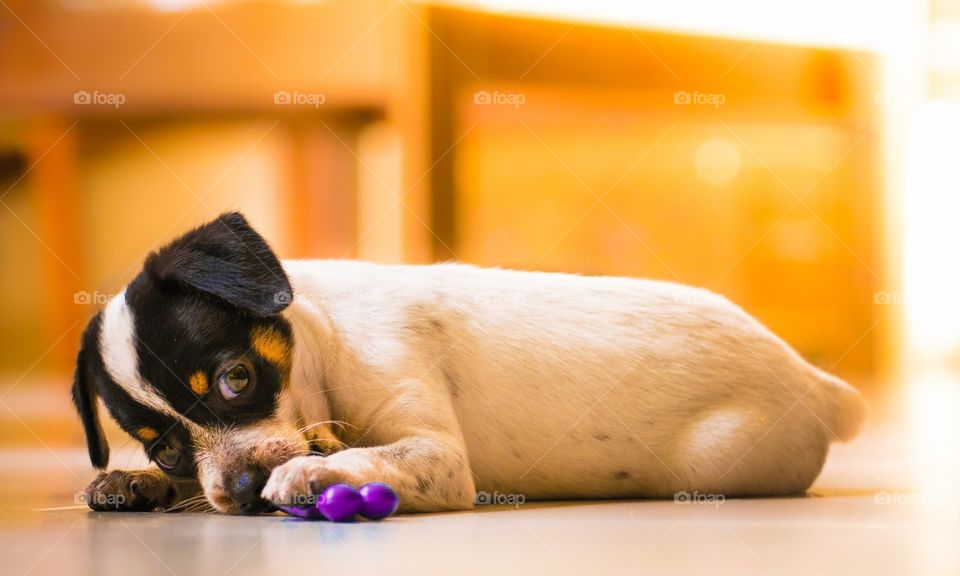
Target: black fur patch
194 307
180 333
92 381
86 386
224 259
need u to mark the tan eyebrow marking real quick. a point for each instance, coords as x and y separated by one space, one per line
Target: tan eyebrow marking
147 434
270 344
198 383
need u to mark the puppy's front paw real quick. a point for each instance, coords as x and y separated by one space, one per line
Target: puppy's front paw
300 480
130 491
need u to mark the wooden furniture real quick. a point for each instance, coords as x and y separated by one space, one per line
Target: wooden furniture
770 197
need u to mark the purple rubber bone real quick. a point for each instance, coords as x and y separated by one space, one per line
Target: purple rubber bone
342 502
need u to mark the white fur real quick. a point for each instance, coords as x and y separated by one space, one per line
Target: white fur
119 353
550 386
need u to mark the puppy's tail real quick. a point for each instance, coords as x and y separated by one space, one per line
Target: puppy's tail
845 406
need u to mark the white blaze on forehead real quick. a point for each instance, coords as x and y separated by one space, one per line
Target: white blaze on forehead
119 351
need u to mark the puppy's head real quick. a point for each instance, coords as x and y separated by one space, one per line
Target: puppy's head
192 360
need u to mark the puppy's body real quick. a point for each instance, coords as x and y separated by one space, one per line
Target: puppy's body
265 382
565 386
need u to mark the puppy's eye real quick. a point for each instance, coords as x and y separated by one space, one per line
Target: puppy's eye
167 457
234 381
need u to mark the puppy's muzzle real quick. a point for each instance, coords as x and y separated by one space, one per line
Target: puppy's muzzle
244 486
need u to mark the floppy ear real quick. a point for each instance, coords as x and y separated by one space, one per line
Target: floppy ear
227 259
85 396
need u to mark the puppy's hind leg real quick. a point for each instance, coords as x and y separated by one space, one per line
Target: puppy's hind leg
780 447
737 452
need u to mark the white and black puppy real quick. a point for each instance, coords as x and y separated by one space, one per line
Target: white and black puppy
257 382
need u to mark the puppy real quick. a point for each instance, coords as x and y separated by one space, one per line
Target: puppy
256 382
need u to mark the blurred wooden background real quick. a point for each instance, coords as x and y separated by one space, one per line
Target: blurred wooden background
587 157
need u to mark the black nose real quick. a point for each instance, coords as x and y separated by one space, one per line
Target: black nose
245 490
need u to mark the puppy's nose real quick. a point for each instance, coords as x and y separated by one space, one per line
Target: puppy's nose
245 489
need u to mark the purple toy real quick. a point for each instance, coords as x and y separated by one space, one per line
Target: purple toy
341 503
306 512
379 500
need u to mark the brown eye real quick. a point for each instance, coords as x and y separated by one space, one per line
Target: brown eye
234 381
167 457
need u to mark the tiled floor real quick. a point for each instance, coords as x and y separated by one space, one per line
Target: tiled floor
864 516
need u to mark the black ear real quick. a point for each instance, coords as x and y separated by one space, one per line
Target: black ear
85 395
225 258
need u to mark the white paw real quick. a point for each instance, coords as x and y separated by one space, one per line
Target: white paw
298 481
